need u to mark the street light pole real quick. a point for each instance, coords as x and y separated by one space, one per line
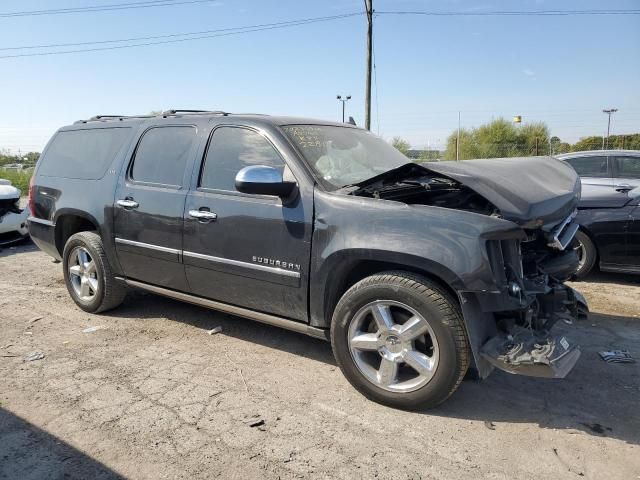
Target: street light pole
608 112
344 101
367 98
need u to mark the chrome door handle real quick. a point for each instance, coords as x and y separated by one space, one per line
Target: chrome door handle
623 187
203 215
128 203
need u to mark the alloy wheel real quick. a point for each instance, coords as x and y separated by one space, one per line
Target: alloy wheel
83 274
393 346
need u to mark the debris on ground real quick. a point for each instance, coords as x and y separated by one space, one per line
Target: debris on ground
256 421
490 425
7 346
35 319
215 330
617 356
93 329
28 333
35 355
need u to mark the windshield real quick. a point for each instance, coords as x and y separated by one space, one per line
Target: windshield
342 155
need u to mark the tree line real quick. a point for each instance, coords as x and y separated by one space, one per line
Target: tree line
501 138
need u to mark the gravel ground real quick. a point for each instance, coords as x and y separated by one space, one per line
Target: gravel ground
150 395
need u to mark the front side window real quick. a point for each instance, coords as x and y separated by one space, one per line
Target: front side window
162 154
628 167
230 150
589 166
342 156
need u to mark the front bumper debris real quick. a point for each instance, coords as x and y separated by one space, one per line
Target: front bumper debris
13 227
530 353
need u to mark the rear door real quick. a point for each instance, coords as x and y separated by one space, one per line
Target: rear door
254 250
149 206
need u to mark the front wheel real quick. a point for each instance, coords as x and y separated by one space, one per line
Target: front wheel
587 254
400 340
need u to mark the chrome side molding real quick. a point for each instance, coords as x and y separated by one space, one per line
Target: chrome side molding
238 263
124 241
234 310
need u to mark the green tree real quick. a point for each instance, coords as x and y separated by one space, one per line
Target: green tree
497 139
587 143
533 139
500 138
401 145
468 146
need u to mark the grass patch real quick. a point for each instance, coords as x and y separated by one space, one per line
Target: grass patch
18 179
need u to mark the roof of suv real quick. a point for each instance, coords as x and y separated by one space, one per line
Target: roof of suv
273 120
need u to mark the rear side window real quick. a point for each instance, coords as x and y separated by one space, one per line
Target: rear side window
230 150
162 154
83 154
628 167
590 166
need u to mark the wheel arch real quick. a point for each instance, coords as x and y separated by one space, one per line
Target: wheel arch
70 221
346 270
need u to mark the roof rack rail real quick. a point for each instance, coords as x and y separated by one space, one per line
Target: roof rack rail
193 112
102 118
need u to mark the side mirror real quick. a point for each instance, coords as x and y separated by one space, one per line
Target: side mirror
263 180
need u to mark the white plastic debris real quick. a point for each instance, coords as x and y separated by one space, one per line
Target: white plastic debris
93 329
35 355
617 356
215 330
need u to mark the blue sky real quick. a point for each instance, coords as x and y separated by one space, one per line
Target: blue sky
563 70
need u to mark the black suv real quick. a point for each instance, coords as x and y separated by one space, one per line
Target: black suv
416 273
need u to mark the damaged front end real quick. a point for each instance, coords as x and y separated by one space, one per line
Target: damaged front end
531 271
509 326
13 219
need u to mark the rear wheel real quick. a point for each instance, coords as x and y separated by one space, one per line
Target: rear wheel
587 254
88 276
400 340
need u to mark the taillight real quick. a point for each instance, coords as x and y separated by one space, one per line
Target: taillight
31 199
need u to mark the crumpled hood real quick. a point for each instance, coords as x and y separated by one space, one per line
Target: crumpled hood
530 191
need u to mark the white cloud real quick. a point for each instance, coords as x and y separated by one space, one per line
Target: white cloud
528 72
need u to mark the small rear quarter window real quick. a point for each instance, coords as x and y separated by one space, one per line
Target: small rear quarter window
83 154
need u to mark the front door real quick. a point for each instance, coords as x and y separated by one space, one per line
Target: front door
251 251
149 206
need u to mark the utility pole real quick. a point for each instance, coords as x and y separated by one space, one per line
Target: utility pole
458 140
608 112
344 101
367 101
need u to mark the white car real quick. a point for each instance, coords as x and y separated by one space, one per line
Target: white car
13 219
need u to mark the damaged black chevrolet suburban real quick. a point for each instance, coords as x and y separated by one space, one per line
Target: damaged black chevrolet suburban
416 273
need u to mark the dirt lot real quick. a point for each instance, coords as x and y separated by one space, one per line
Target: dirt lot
151 395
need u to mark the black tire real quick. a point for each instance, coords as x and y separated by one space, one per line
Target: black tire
436 306
586 252
110 293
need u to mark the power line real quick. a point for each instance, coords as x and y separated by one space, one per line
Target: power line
199 36
173 35
513 13
103 8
